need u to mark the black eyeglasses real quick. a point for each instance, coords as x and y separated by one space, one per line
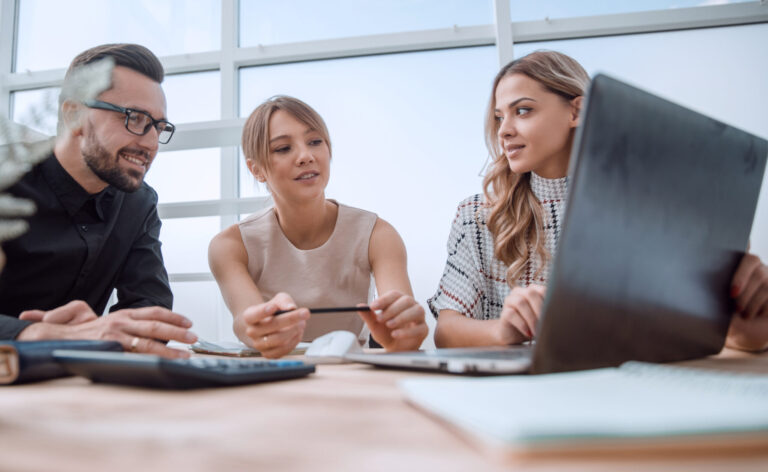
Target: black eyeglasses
138 122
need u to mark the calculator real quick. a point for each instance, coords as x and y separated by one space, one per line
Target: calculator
145 370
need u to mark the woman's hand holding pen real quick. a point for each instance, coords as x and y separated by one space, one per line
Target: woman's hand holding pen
275 336
396 321
522 307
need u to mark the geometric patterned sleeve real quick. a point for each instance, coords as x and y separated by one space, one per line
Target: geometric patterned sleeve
462 286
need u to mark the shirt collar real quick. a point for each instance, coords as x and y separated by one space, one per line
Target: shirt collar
71 195
549 189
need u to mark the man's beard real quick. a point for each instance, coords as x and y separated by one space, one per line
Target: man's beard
107 168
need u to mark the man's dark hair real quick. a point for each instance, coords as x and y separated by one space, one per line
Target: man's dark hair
131 56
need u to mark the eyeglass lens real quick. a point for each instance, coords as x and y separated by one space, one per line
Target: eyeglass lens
139 123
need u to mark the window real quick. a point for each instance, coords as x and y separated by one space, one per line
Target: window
184 176
269 22
193 97
527 10
201 302
51 33
679 65
37 109
185 243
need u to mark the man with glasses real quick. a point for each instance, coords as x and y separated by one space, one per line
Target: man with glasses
96 228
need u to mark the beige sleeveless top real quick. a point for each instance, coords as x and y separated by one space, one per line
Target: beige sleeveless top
338 273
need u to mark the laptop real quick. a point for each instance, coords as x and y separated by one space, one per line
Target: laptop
659 213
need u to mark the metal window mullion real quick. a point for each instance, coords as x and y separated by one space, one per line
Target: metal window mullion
204 134
503 28
8 16
190 277
323 49
200 208
655 21
229 99
192 62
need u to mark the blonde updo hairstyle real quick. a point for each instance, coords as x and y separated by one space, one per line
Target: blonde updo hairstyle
516 217
255 140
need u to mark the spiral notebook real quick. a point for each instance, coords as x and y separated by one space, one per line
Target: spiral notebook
636 405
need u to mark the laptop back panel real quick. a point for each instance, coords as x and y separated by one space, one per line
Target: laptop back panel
659 215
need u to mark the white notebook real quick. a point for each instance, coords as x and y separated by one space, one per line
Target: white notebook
633 404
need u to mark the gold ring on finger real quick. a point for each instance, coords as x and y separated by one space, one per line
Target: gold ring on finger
134 343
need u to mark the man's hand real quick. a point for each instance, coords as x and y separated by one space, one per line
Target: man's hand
137 329
396 322
275 336
74 312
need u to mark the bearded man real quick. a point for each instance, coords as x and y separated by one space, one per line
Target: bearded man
96 228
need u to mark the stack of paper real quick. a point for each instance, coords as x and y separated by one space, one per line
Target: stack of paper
628 405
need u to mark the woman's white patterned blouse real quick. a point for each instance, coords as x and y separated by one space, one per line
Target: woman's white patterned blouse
474 281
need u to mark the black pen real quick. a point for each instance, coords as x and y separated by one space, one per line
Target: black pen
329 310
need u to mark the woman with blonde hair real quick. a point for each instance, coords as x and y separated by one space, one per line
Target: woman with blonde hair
307 250
501 242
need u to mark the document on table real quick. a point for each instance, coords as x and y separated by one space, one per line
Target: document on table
635 402
235 349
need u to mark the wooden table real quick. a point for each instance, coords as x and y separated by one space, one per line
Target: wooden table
343 417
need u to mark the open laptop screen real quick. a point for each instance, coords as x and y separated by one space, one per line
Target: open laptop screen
659 214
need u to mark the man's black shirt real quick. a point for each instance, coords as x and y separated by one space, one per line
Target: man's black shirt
80 247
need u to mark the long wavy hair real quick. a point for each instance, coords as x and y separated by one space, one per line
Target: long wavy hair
516 217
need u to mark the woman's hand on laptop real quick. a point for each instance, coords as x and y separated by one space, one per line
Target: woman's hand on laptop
275 336
749 289
396 322
521 311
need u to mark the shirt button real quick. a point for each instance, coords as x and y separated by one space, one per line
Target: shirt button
84 228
